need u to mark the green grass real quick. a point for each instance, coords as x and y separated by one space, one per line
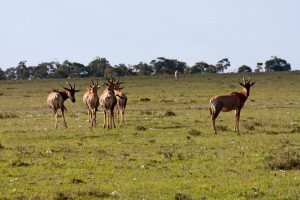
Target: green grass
165 150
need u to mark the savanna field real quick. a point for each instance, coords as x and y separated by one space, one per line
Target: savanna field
165 150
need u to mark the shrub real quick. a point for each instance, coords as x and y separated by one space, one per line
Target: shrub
285 157
8 115
144 99
194 132
140 128
169 114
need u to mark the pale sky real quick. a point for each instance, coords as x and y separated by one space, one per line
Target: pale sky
133 31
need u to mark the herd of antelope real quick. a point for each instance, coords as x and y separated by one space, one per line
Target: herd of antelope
112 97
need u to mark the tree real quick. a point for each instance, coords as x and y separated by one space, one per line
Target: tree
2 74
42 70
122 70
222 65
10 73
97 67
198 68
143 69
244 68
259 67
21 71
167 66
277 64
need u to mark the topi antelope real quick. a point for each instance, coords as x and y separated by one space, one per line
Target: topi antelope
108 102
56 100
121 100
91 99
234 101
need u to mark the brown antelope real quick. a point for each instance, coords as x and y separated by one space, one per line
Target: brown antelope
121 100
108 102
56 100
91 99
234 101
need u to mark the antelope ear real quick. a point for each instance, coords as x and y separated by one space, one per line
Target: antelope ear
252 83
242 84
98 86
76 90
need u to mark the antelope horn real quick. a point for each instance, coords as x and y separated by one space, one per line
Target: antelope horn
93 82
107 79
249 80
74 86
70 84
244 80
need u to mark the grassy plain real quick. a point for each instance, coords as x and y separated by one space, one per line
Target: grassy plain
165 150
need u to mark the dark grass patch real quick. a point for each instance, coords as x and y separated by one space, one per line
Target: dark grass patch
271 132
140 128
295 129
1 146
182 196
144 99
222 128
18 163
249 127
194 132
8 115
169 114
167 100
254 193
146 112
284 157
77 181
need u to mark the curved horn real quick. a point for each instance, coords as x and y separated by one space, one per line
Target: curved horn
74 86
107 79
249 79
70 85
93 82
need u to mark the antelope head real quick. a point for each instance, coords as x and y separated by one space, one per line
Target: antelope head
110 85
117 84
247 85
94 87
71 92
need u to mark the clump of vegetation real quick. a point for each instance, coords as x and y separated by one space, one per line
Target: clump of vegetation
194 132
167 100
249 127
296 129
146 112
1 146
181 196
140 128
76 181
222 128
8 115
169 114
144 99
285 157
19 163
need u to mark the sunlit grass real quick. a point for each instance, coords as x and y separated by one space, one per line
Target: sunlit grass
165 150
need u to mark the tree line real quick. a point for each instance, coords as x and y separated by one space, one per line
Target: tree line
99 67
